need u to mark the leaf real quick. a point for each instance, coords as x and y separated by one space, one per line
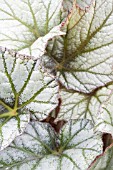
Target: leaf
22 23
104 162
24 88
67 4
40 148
37 49
77 105
10 128
83 57
66 9
83 4
104 122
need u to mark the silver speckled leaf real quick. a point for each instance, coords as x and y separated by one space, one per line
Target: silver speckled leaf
39 148
23 22
104 122
75 105
24 88
84 4
104 162
84 56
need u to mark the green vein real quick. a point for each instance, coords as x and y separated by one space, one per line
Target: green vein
35 21
9 77
30 28
33 97
73 162
27 81
5 105
71 138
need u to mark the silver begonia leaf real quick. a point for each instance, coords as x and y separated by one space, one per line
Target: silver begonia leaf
104 122
39 148
75 105
24 88
104 162
84 56
23 22
84 4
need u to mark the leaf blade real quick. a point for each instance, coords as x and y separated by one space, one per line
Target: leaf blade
52 159
83 58
25 88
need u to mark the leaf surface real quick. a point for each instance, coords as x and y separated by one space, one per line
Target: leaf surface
84 4
104 122
40 148
83 57
22 23
24 88
105 161
75 105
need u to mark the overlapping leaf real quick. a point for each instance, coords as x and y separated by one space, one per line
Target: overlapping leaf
23 22
84 56
105 162
84 105
37 49
67 5
84 4
83 60
39 148
24 88
104 122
